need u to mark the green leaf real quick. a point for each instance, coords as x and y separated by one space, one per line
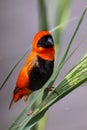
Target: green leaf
61 25
11 71
62 14
42 15
76 77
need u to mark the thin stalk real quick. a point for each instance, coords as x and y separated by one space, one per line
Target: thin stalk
42 15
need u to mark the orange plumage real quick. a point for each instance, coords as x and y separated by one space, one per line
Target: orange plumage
37 68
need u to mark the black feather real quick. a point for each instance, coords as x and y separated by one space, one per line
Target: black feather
40 74
46 42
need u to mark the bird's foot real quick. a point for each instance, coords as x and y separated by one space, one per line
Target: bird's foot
29 112
51 89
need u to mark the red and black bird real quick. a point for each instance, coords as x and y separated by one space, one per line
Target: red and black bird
38 67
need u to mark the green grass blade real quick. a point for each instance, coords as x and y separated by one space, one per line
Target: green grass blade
74 34
14 123
76 77
42 123
59 67
61 25
11 71
62 14
71 54
42 12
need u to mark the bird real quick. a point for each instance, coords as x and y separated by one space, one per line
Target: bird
38 67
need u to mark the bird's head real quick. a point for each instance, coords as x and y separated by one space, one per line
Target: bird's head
43 44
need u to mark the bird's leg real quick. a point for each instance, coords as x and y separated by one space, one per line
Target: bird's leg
29 112
51 89
47 90
26 100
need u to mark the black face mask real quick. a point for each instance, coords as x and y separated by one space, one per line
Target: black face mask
46 42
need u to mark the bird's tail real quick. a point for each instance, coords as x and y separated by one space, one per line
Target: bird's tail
11 103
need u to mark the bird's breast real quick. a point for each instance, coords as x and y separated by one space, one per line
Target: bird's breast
23 78
40 73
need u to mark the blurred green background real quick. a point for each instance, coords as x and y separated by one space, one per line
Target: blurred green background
18 25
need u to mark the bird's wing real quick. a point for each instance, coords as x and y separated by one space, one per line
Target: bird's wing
32 63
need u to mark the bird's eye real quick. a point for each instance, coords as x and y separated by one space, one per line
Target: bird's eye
46 42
